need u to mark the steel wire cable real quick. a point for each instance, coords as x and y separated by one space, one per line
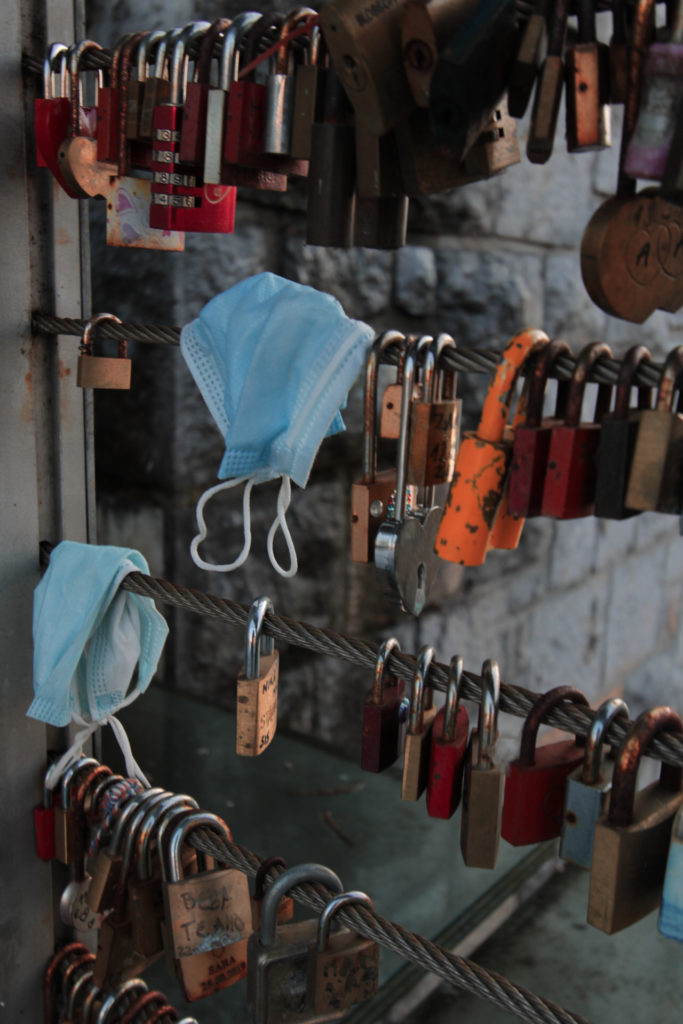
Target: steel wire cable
514 700
604 371
454 969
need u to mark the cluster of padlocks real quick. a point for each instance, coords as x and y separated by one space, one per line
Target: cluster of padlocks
513 467
368 104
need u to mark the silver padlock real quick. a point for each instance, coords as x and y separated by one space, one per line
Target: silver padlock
277 957
280 88
588 788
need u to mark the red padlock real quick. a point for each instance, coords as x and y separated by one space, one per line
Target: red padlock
52 99
381 714
532 438
44 823
193 132
108 105
448 749
533 804
569 488
180 199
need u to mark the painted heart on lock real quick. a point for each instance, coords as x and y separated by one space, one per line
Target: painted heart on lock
416 564
632 256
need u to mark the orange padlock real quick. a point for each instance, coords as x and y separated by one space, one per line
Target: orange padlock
482 463
507 528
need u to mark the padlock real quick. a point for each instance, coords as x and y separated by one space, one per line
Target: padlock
365 47
528 59
308 94
193 131
549 85
588 788
435 424
52 115
447 749
257 685
117 959
331 186
44 823
419 733
370 495
506 531
102 371
618 440
279 104
537 779
74 909
670 921
425 28
107 868
180 197
157 86
483 779
390 405
632 839
381 714
285 910
404 545
278 957
380 221
532 438
570 477
472 72
588 109
64 812
343 967
208 916
108 100
144 886
656 477
482 463
85 175
661 94
618 54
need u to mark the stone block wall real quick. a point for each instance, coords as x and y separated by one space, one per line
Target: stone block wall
596 604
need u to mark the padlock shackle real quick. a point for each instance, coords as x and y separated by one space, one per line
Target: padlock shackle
203 69
257 32
487 726
345 899
670 379
557 28
75 56
370 402
86 345
143 51
532 723
383 655
150 799
83 979
68 777
441 373
585 12
316 873
641 28
646 726
453 690
403 447
241 24
426 364
610 709
263 869
55 50
84 787
179 57
100 790
424 659
632 359
143 839
111 1001
543 362
127 51
296 15
180 833
116 58
586 359
496 409
125 814
256 644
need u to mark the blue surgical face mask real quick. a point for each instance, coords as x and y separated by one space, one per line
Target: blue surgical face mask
88 638
274 361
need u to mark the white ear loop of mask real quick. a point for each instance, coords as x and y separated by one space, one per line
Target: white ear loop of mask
280 522
133 769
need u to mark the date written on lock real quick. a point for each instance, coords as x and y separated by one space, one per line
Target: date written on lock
206 918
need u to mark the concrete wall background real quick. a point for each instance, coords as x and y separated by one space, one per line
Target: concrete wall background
596 604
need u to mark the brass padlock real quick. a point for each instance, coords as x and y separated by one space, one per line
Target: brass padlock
102 371
257 685
419 734
278 957
343 968
65 824
632 840
482 800
208 916
435 425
